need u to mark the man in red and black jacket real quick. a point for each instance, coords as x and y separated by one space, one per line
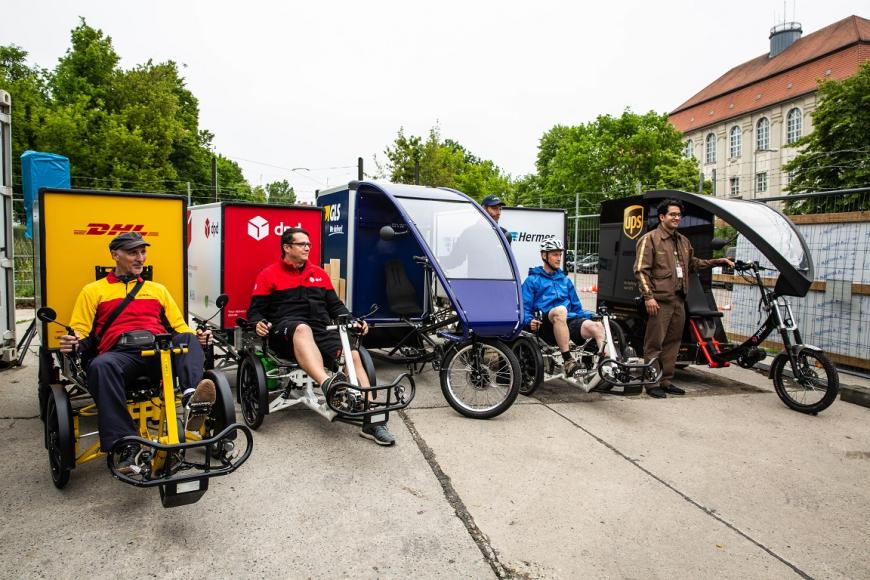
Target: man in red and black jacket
292 303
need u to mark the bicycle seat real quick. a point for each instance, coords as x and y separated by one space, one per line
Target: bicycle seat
696 301
401 295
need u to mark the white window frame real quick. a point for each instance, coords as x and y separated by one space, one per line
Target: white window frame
710 148
793 126
734 187
735 142
762 134
761 182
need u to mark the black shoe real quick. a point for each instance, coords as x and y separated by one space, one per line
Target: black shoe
378 434
672 390
127 456
338 377
657 393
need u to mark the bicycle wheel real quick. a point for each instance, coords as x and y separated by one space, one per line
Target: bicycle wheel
58 439
531 364
480 379
253 398
814 385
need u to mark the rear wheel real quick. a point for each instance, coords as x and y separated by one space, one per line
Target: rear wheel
480 379
814 385
531 364
252 393
58 439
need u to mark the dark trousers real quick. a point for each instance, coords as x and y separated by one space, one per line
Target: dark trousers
664 333
110 373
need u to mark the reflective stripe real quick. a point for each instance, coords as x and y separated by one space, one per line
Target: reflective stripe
639 264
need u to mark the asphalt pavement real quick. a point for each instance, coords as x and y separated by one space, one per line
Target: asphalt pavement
724 482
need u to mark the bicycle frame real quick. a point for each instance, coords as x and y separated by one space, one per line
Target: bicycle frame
779 318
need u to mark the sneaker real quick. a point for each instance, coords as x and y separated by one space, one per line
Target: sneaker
570 367
198 404
127 456
338 377
378 433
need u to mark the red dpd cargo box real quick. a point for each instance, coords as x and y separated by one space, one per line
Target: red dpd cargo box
230 242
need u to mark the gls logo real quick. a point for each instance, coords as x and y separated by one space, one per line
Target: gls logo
258 227
97 229
332 213
212 228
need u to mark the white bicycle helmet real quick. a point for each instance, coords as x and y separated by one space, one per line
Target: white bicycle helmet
551 245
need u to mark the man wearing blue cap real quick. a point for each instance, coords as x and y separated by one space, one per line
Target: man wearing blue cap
492 204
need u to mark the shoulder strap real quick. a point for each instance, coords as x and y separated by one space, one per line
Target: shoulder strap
117 311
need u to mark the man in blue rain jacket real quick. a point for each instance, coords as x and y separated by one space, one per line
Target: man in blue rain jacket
563 319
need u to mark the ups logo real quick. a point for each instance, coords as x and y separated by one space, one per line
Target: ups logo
632 221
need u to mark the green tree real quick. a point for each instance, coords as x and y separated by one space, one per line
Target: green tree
134 129
280 192
444 163
836 155
608 158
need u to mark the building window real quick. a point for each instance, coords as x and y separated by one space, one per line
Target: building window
762 135
735 142
710 149
793 126
761 182
734 184
690 149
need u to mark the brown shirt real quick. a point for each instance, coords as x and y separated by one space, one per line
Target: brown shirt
655 266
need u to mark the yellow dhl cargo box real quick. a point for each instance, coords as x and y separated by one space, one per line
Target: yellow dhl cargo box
73 229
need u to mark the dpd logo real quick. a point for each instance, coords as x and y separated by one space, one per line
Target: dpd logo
211 228
632 221
258 227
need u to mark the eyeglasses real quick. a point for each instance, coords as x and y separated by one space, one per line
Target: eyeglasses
300 244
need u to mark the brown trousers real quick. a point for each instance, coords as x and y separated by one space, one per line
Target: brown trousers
664 332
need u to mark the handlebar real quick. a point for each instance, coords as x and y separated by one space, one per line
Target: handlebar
741 266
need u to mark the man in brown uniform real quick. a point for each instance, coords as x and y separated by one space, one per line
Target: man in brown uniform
664 260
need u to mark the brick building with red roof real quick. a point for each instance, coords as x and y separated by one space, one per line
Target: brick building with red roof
739 127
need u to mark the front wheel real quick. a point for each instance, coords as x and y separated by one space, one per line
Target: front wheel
252 390
531 362
813 386
480 379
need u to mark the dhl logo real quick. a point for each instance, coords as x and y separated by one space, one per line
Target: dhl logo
632 221
98 229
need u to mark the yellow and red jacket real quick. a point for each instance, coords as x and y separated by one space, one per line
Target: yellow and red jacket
152 309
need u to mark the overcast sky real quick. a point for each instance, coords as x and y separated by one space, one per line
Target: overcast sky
315 85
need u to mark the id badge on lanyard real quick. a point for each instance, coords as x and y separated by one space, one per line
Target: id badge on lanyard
677 259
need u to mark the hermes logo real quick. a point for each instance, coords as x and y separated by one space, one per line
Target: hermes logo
632 221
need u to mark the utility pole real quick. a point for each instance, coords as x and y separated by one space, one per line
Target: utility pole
416 173
359 169
576 226
214 190
188 194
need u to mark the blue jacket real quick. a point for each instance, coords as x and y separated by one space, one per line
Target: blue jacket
543 291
